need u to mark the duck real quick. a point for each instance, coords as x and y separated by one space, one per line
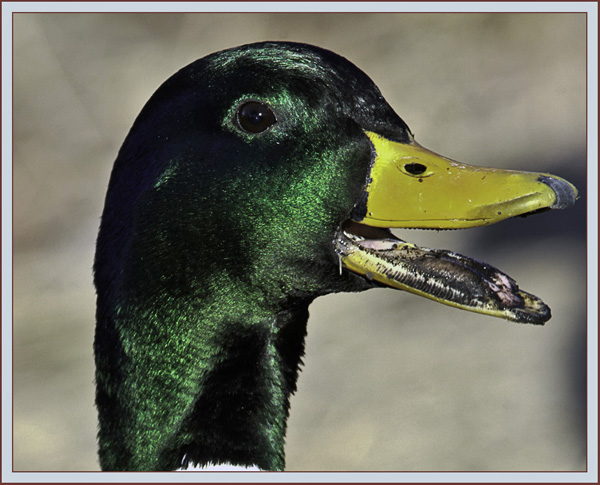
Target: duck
253 181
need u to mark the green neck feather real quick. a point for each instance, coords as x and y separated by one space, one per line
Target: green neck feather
226 396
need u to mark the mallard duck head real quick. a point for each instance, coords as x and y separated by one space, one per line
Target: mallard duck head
253 181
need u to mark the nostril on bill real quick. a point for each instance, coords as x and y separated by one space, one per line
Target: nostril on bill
566 194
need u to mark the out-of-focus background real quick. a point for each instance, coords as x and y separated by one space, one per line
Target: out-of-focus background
391 381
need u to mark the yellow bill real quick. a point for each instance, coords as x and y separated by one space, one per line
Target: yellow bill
412 187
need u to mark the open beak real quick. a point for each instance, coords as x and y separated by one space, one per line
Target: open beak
412 187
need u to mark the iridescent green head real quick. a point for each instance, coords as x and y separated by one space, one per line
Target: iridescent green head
253 181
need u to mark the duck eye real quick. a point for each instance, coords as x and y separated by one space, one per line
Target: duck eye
255 117
415 168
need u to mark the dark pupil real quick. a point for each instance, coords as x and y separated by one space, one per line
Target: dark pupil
415 168
255 117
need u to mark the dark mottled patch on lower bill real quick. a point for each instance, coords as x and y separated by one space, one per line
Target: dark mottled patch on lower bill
440 275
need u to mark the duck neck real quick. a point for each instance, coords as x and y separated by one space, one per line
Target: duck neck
187 391
244 404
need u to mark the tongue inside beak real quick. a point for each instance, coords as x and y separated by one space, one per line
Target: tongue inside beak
411 187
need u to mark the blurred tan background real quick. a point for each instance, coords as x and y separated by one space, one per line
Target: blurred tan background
392 381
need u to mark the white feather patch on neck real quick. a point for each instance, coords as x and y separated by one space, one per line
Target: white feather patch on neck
219 468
